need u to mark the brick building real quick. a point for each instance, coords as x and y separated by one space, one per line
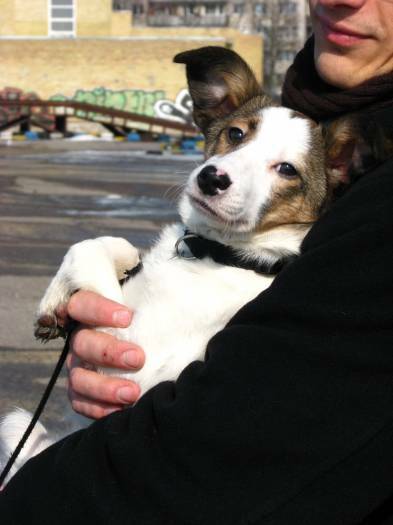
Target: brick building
87 51
283 24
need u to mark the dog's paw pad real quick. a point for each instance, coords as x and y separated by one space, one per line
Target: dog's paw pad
47 328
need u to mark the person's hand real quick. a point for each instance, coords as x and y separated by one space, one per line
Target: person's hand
92 394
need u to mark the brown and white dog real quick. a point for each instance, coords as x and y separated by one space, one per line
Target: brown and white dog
245 211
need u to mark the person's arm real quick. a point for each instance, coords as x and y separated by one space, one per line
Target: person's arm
92 394
288 421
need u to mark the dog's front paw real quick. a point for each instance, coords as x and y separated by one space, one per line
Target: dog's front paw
51 316
96 265
49 323
47 327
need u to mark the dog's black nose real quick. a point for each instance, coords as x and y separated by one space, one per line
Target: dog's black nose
210 180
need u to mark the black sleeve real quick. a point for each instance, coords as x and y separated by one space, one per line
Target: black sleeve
288 421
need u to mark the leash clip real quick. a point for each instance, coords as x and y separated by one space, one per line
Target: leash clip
183 253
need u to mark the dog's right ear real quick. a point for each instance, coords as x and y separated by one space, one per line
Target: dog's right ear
219 81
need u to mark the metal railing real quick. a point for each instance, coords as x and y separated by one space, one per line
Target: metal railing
23 109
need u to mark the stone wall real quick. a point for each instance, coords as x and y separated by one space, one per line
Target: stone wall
95 18
110 63
131 74
21 17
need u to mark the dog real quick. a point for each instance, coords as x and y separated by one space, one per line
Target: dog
269 173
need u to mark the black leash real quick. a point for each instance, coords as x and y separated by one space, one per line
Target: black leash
39 409
44 334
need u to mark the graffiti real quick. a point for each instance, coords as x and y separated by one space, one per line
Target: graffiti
133 100
9 114
150 103
139 101
178 111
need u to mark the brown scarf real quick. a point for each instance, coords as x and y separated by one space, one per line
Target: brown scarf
306 92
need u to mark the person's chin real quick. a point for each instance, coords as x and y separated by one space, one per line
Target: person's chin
338 69
328 69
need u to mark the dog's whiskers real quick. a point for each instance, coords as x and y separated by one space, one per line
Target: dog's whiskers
173 192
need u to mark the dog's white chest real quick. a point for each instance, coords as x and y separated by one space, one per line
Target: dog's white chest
179 305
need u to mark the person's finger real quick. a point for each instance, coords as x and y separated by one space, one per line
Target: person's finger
92 309
101 388
71 361
101 349
92 409
61 315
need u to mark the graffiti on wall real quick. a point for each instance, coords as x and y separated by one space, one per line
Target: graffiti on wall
10 113
150 103
179 111
139 101
133 100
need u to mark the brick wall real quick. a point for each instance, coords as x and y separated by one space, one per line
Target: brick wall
51 67
23 17
110 63
95 18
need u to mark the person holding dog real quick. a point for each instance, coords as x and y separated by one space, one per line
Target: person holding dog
290 419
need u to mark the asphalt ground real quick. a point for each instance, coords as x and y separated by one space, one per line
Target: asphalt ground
53 194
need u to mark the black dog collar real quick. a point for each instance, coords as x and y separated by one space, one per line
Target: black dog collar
200 247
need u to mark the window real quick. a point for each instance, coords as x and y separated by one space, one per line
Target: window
214 9
62 22
123 5
137 9
286 55
288 8
260 9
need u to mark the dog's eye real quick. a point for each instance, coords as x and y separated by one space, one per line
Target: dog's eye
235 135
286 170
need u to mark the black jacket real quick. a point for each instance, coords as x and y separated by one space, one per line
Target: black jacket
289 421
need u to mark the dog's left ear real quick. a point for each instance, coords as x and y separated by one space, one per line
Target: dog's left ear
219 81
341 141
